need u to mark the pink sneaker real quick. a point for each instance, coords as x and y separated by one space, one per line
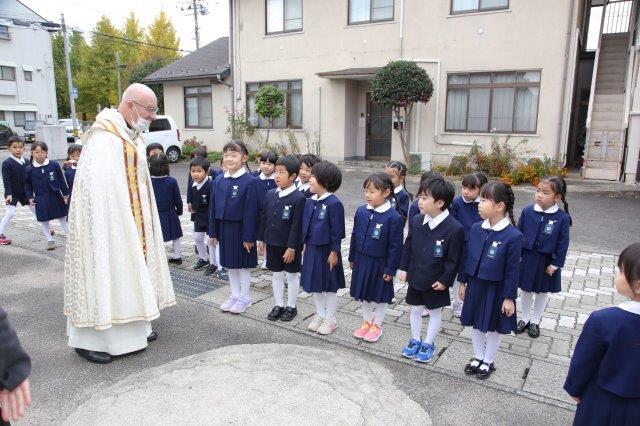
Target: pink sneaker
456 307
373 334
228 304
362 331
4 241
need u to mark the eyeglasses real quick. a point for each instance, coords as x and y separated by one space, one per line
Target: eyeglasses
146 108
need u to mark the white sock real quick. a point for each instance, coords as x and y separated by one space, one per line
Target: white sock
479 340
320 300
367 311
46 231
245 284
177 248
64 224
212 253
218 255
332 305
435 323
526 300
199 240
9 213
381 310
493 343
293 282
234 282
415 319
278 288
539 306
455 290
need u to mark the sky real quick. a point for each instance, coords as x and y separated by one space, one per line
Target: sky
83 15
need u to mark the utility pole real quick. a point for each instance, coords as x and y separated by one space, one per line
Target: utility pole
72 101
197 8
195 22
118 76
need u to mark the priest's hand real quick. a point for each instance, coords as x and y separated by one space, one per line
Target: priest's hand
8 199
248 246
14 402
260 248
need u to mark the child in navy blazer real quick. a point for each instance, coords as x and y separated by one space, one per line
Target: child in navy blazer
280 231
199 194
414 208
400 199
233 224
374 255
13 173
464 209
265 182
430 261
546 240
604 370
489 278
169 203
322 233
70 166
307 161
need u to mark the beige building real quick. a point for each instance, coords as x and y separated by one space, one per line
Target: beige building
499 67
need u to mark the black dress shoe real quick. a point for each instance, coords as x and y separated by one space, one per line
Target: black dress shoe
200 265
175 261
289 314
485 370
471 369
152 336
93 356
209 270
534 331
521 327
275 313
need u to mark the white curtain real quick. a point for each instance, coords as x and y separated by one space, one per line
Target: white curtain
275 14
293 15
296 108
502 110
192 112
478 110
457 100
359 10
527 109
462 5
205 117
381 9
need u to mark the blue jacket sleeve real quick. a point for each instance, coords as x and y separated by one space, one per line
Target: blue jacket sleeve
250 214
512 269
454 257
295 234
262 223
15 365
177 199
212 227
28 184
412 212
61 179
405 259
6 179
560 254
453 209
189 183
352 243
586 359
521 222
336 226
395 246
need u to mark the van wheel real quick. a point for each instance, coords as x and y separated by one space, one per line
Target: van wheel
173 154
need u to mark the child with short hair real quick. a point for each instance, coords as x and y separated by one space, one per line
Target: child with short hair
71 164
604 370
322 232
546 241
430 261
465 210
200 194
280 231
233 217
13 173
374 254
414 209
265 182
47 189
154 148
490 284
169 203
307 161
400 199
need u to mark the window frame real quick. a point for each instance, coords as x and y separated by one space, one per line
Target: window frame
2 68
289 91
5 34
491 85
24 118
26 73
284 6
3 116
480 9
370 21
197 96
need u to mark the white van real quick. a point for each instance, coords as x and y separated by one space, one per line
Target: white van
163 130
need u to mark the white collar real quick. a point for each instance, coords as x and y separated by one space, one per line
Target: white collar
19 160
265 177
36 164
237 174
477 200
324 196
398 188
303 186
630 306
74 166
435 221
284 192
160 177
504 222
201 184
380 209
551 209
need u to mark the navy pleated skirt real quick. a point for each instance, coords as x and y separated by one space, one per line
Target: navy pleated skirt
533 275
232 252
482 307
367 284
170 224
315 276
49 206
600 407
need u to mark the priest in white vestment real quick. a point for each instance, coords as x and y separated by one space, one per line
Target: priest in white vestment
116 277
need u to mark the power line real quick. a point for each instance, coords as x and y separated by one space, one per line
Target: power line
140 42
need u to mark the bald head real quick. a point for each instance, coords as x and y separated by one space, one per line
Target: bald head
138 101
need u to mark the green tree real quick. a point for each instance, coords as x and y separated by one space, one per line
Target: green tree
270 105
77 45
399 85
130 51
161 32
143 69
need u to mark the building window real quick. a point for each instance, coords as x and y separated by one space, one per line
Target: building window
4 32
7 73
197 107
2 117
19 120
365 11
472 6
28 75
498 102
293 116
283 16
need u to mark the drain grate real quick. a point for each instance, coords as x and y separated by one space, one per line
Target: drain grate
192 285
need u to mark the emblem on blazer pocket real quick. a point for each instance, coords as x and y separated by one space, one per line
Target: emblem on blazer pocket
286 213
548 228
234 191
375 234
438 249
323 212
493 249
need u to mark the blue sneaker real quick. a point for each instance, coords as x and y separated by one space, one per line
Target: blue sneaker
425 353
411 349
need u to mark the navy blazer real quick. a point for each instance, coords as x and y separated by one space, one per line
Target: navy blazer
465 213
427 262
607 351
234 199
262 187
200 202
70 175
377 235
281 219
400 202
214 172
494 256
546 233
168 196
45 179
323 222
15 364
13 174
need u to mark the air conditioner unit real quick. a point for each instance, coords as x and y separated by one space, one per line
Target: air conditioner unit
423 159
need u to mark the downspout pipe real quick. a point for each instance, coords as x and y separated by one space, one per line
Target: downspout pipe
565 80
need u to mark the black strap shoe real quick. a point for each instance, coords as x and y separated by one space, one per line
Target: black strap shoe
275 313
152 336
95 357
210 269
485 370
521 327
200 265
289 314
472 366
175 261
534 331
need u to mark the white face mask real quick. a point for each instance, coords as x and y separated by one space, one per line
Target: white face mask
141 125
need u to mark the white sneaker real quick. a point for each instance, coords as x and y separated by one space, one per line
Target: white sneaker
456 307
327 327
51 245
228 304
240 306
315 323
